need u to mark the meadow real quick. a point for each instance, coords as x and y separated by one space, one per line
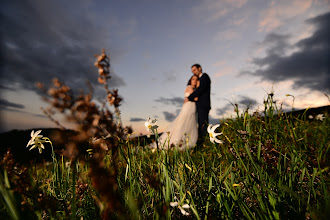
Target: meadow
270 165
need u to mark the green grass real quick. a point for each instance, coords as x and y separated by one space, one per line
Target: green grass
270 166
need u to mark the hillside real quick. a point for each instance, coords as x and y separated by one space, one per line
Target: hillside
17 140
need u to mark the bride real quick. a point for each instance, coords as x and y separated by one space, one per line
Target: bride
183 131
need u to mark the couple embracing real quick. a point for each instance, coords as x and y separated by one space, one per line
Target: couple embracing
190 126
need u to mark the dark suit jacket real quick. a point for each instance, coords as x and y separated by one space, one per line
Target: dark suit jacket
203 93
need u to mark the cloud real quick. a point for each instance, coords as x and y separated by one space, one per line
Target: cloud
137 119
213 121
276 44
239 21
38 115
227 70
176 101
280 11
227 35
212 10
247 102
219 63
42 40
308 66
224 109
5 104
169 116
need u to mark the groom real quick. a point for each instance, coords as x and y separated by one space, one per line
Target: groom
204 101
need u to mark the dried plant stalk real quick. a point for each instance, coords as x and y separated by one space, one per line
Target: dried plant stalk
96 127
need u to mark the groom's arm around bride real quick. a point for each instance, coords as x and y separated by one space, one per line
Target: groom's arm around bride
202 92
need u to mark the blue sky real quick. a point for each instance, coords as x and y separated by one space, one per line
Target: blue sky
248 48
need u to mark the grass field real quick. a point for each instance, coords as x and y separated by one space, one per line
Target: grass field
268 167
271 165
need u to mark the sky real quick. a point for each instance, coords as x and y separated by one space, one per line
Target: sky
248 48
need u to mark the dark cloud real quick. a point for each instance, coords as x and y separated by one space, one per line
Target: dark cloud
244 102
4 87
176 101
223 110
42 40
169 116
38 115
137 119
4 104
213 121
308 66
248 102
276 43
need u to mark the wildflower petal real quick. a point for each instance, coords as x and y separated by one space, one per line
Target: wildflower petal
29 143
183 211
209 128
186 206
218 141
37 133
34 146
215 127
174 204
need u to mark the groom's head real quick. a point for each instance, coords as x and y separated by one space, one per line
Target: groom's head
196 69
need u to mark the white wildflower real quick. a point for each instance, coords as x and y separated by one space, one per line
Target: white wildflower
185 206
151 125
33 137
213 135
37 141
320 117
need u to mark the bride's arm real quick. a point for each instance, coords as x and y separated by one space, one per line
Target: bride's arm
189 90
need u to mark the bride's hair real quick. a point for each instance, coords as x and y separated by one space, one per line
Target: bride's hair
189 81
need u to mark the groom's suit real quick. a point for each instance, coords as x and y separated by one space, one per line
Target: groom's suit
203 103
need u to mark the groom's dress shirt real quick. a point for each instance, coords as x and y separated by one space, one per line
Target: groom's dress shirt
203 93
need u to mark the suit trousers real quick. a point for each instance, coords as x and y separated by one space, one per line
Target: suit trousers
203 121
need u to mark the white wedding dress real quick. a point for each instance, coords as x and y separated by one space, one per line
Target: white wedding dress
183 131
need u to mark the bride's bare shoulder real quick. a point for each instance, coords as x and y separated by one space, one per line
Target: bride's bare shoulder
189 89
